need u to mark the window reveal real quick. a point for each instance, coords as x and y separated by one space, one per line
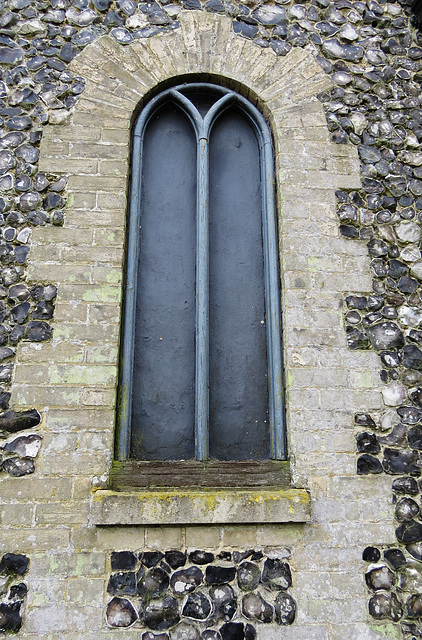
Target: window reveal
201 367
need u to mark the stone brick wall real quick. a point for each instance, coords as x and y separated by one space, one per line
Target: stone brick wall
70 379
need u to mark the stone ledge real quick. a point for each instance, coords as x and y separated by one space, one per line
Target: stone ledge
200 507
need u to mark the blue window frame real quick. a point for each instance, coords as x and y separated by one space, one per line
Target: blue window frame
202 114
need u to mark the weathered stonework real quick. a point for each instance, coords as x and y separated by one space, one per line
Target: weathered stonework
372 56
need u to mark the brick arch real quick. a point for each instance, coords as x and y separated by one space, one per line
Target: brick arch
87 254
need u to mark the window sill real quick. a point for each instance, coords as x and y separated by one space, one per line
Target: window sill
199 494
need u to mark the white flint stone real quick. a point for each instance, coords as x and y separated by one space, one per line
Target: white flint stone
410 317
24 235
410 254
389 419
137 21
393 394
347 32
359 122
416 270
31 27
408 231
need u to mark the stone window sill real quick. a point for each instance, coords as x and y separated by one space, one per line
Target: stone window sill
200 493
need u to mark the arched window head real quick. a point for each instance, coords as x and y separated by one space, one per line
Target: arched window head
201 372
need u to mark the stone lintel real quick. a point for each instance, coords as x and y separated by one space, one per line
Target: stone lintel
200 507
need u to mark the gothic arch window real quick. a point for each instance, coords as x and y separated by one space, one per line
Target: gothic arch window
201 369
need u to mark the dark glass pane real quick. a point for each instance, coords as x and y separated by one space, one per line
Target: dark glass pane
163 383
239 425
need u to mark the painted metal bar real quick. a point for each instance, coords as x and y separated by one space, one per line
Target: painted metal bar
202 304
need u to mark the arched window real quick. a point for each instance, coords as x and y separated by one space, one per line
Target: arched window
201 370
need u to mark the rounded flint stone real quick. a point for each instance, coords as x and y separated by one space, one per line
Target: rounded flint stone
160 615
406 509
413 607
210 634
201 557
248 576
219 575
233 631
415 550
10 616
153 583
409 532
367 442
397 462
367 464
395 558
256 608
186 580
276 574
380 578
17 467
184 631
224 602
120 613
414 437
371 554
385 335
151 558
412 357
197 606
38 331
385 605
11 421
14 563
285 609
122 584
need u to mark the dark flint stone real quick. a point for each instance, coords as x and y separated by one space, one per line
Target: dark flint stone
197 606
415 336
24 446
233 631
412 357
68 52
160 615
219 575
415 550
28 153
18 591
185 631
397 462
16 334
256 608
122 584
14 563
347 231
41 183
20 312
21 254
356 339
396 269
216 6
210 634
186 580
37 218
10 56
285 609
385 605
52 201
409 415
367 464
276 574
245 30
385 335
123 560
154 583
49 292
224 602
38 331
367 442
248 576
175 559
335 49
120 613
201 557
406 509
395 558
369 154
17 467
413 607
364 419
406 485
414 437
10 616
409 532
4 399
43 311
356 302
250 632
407 284
7 161
148 635
12 422
380 578
371 554
396 437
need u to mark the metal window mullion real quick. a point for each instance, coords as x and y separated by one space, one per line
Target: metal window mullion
202 304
